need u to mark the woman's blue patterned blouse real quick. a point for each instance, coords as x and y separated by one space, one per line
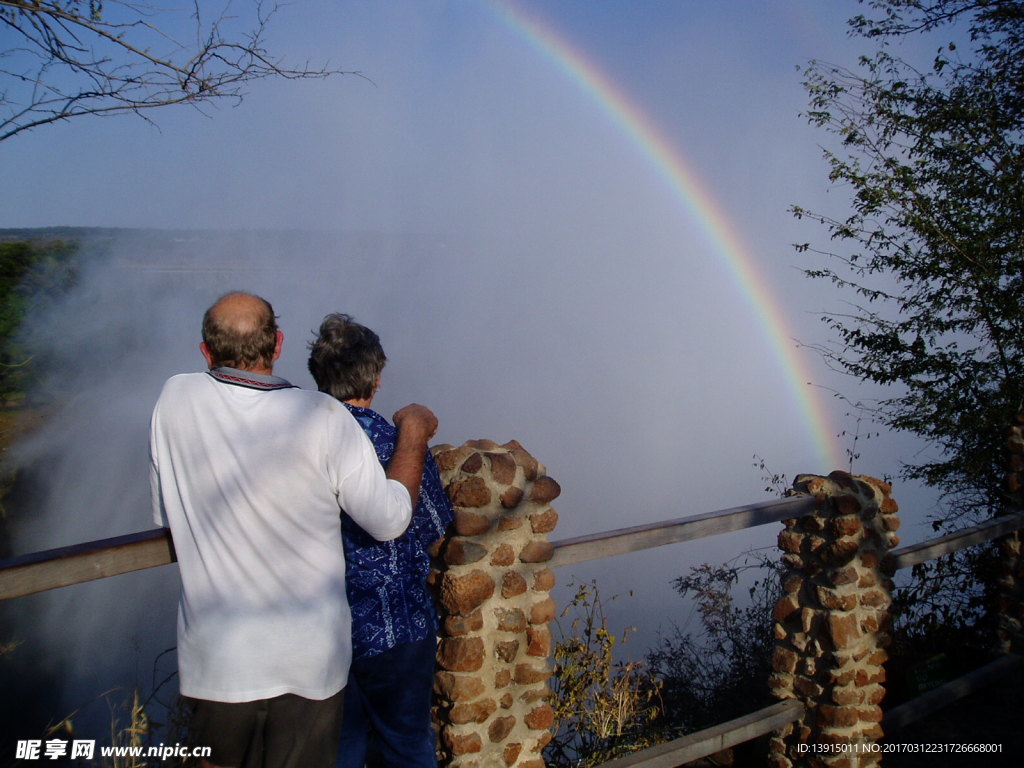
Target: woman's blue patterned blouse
386 580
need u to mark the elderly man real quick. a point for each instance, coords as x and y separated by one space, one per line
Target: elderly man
394 619
251 474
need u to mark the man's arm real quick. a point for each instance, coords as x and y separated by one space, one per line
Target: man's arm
416 424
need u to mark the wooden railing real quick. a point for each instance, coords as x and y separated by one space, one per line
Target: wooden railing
55 568
694 746
623 540
42 571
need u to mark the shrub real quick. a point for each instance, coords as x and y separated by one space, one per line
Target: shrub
720 671
603 708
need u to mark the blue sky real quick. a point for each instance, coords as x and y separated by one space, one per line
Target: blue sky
457 113
576 305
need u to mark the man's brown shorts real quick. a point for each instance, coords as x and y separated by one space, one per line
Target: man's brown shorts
283 732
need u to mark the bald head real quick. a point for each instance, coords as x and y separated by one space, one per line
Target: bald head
240 331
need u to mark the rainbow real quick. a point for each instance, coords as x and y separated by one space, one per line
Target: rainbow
645 134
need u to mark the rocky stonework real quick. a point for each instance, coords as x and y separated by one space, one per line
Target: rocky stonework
1009 577
831 624
491 687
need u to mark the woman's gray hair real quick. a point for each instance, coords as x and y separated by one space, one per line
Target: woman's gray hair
346 358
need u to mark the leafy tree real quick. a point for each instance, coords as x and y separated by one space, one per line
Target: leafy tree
932 257
66 58
932 254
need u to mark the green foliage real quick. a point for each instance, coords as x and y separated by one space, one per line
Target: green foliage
720 671
31 275
932 257
942 612
603 707
926 609
932 254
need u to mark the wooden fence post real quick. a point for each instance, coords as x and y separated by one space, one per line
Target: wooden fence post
493 658
831 624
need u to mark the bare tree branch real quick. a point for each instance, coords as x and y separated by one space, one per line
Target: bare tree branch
101 57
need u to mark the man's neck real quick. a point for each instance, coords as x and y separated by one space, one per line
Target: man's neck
360 402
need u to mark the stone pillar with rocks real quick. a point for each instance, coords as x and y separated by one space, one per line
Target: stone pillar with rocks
493 656
831 624
1009 587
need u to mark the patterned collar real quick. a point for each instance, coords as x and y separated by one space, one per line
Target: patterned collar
249 379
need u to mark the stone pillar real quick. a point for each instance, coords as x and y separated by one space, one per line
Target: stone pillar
831 624
493 657
1009 577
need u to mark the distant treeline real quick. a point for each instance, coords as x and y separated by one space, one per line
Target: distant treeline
44 234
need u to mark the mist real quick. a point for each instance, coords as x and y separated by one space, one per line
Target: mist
635 412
